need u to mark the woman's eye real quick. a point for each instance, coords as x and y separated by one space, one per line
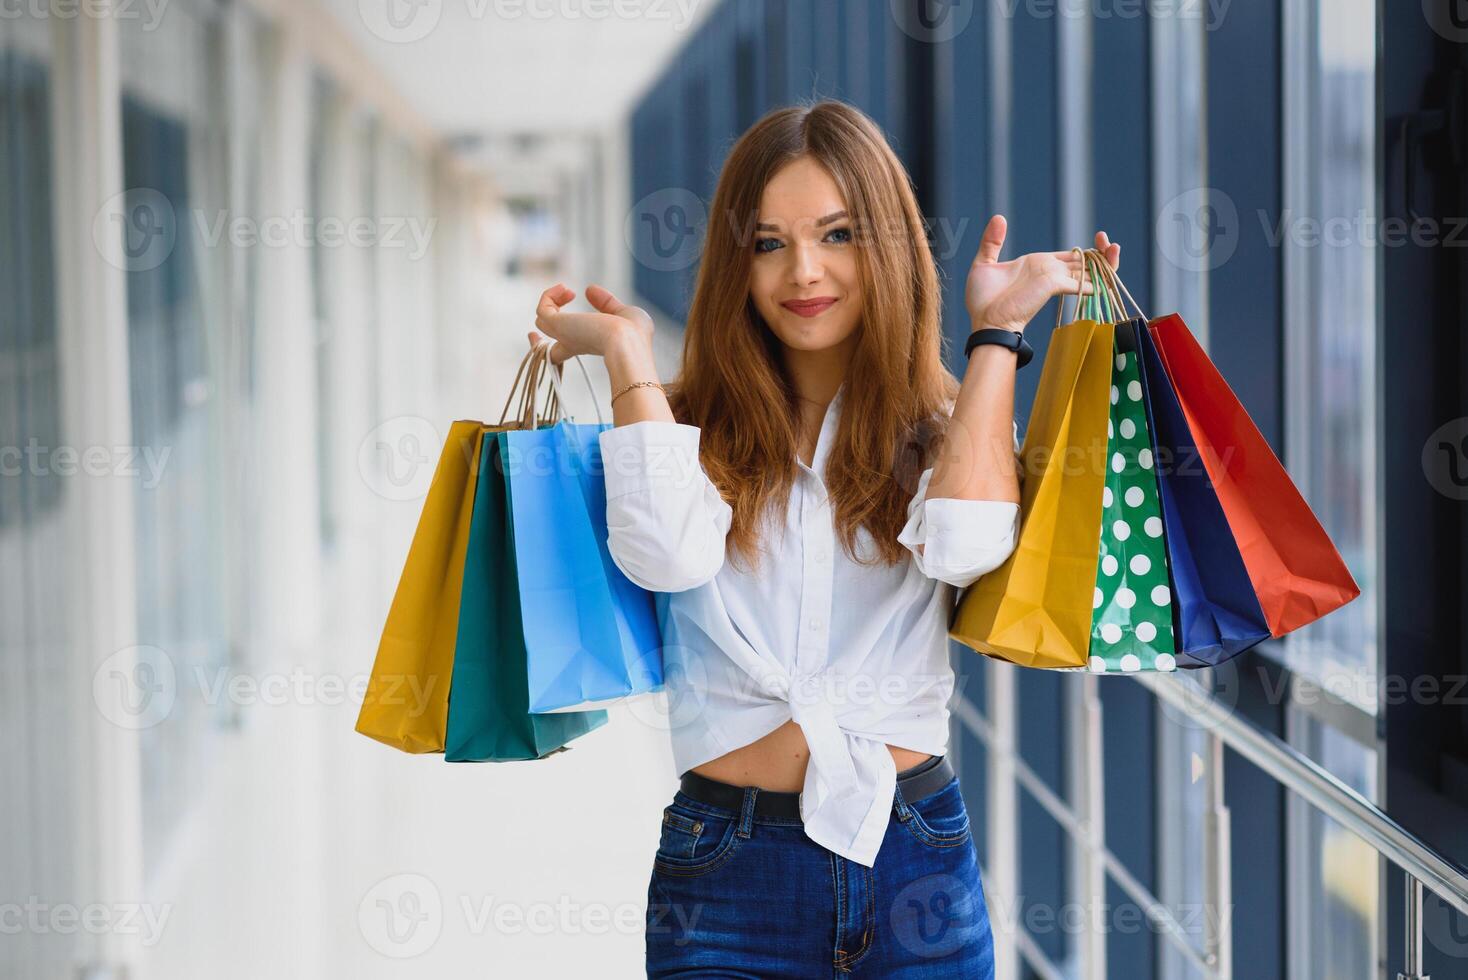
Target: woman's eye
761 243
844 233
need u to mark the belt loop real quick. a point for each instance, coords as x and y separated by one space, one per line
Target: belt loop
898 803
746 811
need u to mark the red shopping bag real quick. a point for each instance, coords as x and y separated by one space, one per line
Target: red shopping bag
1295 569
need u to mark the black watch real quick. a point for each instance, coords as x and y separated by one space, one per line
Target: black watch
1008 339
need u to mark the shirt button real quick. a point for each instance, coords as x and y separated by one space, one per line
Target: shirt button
815 624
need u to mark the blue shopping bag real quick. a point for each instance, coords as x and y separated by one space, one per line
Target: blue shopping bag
1216 613
489 719
591 635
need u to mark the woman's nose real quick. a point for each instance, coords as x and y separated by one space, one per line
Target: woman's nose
805 264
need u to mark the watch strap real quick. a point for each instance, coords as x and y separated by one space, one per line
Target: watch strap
1008 339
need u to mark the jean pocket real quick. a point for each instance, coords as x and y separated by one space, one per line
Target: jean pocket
694 841
940 819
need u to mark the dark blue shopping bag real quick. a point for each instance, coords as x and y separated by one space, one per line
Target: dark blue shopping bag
1216 613
591 635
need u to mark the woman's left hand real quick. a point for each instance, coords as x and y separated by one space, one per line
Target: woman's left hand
1009 294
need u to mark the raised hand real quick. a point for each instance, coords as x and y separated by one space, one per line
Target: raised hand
587 332
1009 294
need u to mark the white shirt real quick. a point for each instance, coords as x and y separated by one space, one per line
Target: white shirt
857 656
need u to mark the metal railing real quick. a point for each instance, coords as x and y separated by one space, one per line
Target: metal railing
1423 867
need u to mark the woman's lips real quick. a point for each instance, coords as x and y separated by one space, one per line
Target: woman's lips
810 307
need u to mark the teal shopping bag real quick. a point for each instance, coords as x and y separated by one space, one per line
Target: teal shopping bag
489 718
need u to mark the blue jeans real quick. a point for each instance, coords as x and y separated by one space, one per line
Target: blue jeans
738 895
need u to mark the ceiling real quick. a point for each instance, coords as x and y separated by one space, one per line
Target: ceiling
486 67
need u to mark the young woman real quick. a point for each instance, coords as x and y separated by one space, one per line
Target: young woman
806 499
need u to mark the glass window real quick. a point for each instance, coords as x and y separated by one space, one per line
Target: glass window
1333 873
173 176
1330 269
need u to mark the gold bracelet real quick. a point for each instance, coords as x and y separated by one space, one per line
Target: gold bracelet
638 384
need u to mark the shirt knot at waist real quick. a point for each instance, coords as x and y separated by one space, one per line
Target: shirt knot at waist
829 753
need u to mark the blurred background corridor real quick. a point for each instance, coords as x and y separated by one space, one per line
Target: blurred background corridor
256 255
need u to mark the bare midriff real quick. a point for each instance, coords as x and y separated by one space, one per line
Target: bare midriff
777 761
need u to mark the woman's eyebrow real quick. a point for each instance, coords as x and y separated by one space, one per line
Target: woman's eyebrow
833 216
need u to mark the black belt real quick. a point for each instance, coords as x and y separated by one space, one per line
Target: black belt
921 780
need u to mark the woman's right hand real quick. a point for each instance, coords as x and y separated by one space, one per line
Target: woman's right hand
588 333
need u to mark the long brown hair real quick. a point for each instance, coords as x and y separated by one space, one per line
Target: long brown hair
897 394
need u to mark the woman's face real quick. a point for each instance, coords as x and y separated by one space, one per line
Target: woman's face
804 275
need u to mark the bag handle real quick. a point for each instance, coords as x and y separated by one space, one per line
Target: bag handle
556 380
1080 288
1118 288
1103 302
525 414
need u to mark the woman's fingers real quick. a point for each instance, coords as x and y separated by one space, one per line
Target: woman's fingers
603 299
551 302
992 242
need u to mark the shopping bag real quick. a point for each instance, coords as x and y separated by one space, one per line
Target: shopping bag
405 704
406 701
1132 623
591 635
1296 572
1035 609
489 717
1216 613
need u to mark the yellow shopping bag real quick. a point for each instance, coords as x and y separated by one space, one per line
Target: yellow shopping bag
407 698
1035 609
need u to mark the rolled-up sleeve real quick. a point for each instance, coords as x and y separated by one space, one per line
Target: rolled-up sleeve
666 521
956 540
